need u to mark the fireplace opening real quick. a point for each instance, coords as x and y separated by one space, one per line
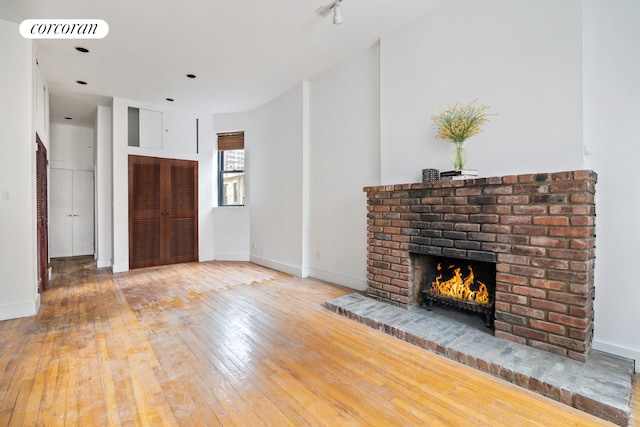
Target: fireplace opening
461 284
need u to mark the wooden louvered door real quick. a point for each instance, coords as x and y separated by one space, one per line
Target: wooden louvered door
182 212
42 216
146 201
163 211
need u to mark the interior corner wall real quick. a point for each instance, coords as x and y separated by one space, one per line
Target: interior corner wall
274 150
612 109
120 185
344 158
206 181
18 245
104 195
521 58
231 224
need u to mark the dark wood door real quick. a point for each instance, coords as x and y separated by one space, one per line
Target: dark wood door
42 215
145 211
163 211
182 211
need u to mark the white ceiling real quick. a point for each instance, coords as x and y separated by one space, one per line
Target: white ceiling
243 52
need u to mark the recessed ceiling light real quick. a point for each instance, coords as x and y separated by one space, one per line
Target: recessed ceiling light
191 76
68 118
82 49
80 82
169 99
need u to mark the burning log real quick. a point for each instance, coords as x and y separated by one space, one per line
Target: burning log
458 287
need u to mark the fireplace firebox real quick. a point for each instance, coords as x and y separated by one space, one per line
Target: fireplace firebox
461 284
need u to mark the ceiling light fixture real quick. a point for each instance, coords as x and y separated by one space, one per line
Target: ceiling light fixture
337 16
333 6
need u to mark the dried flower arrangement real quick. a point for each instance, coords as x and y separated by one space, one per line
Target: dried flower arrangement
460 122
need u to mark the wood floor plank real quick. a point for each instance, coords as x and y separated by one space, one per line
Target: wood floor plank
20 408
32 407
233 344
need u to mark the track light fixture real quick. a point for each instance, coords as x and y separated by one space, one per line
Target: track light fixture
333 6
337 16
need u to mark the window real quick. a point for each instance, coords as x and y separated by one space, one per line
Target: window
231 169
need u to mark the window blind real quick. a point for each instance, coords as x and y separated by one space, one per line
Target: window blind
230 141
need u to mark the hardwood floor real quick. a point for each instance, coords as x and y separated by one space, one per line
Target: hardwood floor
635 403
233 344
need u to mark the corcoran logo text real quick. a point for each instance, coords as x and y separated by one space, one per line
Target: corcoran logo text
64 29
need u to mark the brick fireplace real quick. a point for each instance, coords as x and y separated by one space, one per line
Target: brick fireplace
538 229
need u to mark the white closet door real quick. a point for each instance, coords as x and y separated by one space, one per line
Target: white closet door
71 216
60 213
83 217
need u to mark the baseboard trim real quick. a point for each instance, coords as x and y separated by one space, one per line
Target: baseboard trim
16 311
120 268
101 263
629 353
339 279
232 256
276 265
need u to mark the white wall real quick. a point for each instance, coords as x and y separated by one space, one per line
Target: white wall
104 222
309 154
178 131
231 241
275 148
612 110
231 238
206 185
71 147
344 157
18 245
522 58
41 99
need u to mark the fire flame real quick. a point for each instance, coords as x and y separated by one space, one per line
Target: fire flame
459 287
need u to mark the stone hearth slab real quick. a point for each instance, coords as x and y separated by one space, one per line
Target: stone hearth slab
601 386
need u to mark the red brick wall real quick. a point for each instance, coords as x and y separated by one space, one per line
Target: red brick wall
538 228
